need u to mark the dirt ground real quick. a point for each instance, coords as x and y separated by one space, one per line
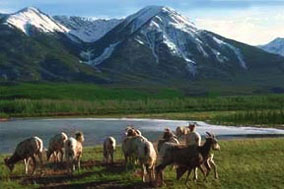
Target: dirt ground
56 176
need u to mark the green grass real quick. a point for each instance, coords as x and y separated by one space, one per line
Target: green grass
250 163
80 91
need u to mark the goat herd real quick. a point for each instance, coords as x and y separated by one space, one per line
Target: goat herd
136 149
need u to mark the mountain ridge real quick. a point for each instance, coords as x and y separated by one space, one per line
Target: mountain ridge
155 45
276 46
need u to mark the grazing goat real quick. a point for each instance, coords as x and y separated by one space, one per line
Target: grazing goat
24 151
186 157
56 145
73 151
109 148
180 131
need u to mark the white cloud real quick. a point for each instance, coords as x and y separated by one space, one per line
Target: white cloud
253 27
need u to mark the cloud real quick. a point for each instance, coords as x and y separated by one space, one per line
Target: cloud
255 27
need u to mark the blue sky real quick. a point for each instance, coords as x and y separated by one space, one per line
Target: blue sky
250 21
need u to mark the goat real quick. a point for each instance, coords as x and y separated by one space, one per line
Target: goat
56 145
180 131
147 156
26 150
109 148
193 138
131 131
73 151
168 136
128 147
186 157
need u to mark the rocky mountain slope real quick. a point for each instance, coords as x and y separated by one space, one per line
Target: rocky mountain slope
86 29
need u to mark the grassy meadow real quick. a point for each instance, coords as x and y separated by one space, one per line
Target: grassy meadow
250 163
61 99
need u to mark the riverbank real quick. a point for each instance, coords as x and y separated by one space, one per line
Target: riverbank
249 163
86 100
225 118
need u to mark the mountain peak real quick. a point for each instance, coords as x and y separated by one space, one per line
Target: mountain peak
33 17
29 9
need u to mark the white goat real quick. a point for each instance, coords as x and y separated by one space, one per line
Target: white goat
109 148
128 146
142 149
73 152
56 145
147 157
129 149
24 151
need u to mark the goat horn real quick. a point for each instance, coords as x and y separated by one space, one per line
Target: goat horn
208 134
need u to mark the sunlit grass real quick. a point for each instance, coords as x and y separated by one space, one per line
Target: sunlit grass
251 163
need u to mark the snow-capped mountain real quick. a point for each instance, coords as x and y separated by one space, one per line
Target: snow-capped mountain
156 45
166 33
30 18
87 29
276 46
84 29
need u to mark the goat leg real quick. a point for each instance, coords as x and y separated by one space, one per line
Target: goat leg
187 177
26 165
34 163
180 170
111 157
203 172
195 174
215 168
61 157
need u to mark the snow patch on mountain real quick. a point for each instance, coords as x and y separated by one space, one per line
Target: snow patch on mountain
30 16
234 49
87 29
276 46
98 60
169 28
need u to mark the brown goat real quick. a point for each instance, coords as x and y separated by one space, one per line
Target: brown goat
186 157
26 150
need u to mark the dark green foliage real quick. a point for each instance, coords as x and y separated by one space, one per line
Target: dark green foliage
87 99
41 57
256 117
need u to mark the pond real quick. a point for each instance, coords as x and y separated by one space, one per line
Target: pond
96 129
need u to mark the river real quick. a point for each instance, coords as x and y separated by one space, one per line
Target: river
96 129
